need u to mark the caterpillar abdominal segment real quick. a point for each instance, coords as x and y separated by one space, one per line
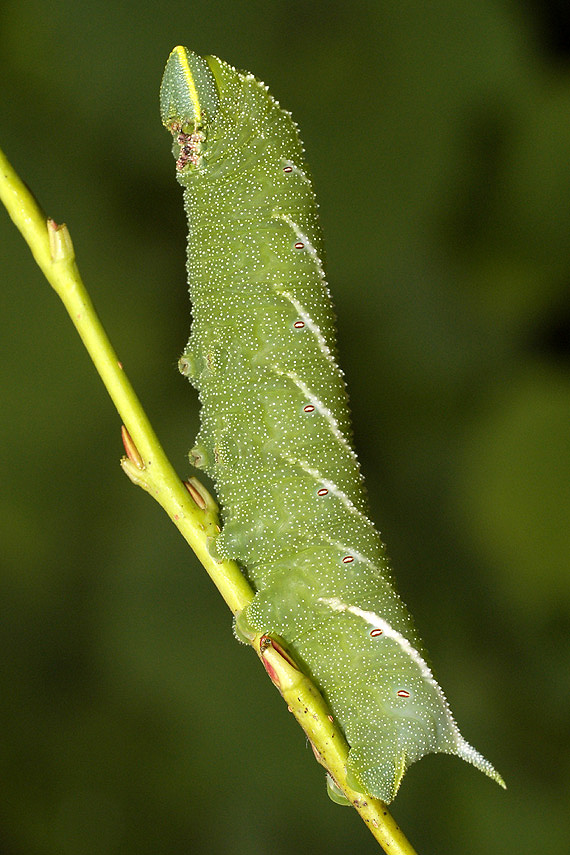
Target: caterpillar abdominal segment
275 431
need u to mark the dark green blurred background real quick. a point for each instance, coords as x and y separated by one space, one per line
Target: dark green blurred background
439 138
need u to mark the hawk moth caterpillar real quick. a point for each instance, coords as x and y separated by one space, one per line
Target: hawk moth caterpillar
275 430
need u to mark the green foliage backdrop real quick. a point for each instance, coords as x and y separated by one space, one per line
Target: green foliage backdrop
438 135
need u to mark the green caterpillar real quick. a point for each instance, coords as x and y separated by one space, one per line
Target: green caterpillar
275 426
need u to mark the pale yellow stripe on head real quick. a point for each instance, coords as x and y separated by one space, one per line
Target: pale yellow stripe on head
182 57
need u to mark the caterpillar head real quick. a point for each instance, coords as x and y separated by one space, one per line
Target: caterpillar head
189 102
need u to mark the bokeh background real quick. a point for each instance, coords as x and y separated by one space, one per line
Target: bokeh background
439 137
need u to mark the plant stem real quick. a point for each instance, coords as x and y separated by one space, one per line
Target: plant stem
191 509
52 249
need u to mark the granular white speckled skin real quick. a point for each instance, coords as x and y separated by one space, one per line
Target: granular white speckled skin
275 437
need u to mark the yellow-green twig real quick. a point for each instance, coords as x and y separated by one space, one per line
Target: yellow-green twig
52 249
190 507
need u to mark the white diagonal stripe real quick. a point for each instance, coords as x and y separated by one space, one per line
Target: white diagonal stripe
311 325
375 621
301 236
321 409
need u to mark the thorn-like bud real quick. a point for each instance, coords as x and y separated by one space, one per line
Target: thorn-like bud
200 495
60 243
195 495
281 668
131 449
